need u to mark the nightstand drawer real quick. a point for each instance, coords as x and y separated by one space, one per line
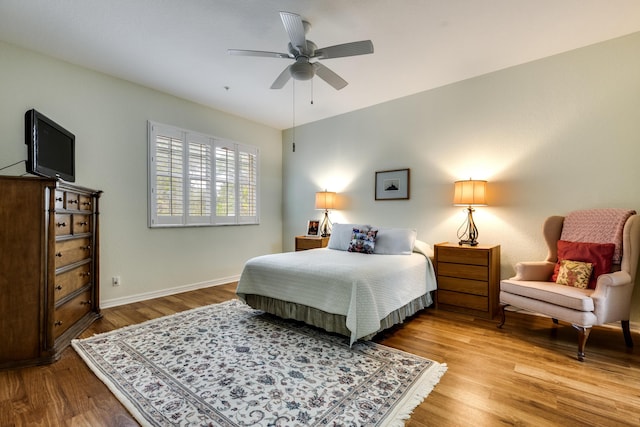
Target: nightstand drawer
473 287
463 256
303 242
473 302
464 271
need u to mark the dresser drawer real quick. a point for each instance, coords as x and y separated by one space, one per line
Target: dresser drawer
70 251
72 280
62 224
70 312
71 200
85 203
59 199
457 299
463 256
464 271
455 284
81 224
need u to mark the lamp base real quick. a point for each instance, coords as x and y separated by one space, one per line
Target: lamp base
468 242
469 230
325 225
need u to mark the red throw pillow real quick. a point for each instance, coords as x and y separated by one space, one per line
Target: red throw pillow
598 254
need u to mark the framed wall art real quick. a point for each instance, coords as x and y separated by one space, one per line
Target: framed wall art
392 184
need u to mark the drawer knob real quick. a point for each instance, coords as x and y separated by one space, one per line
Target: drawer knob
85 274
58 323
86 248
72 202
59 288
58 199
59 254
61 224
83 223
88 302
86 203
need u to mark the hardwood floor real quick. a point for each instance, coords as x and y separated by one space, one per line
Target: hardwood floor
524 374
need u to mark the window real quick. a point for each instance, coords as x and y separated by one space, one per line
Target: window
197 179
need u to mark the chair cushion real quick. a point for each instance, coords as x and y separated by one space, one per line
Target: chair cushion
598 254
566 296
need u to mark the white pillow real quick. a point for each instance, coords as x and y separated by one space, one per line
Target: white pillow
395 241
341 236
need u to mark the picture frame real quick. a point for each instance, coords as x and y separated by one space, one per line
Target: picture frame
392 184
313 228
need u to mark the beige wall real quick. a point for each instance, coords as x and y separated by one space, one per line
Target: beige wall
550 136
109 118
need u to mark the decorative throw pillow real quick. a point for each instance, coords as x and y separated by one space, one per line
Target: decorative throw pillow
363 240
574 273
598 254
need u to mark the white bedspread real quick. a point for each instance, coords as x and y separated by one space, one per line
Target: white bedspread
364 288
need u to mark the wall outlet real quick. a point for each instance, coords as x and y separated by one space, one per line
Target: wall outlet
115 280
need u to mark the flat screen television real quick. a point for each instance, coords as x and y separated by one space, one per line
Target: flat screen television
51 147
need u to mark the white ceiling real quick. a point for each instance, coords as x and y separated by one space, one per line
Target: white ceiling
180 46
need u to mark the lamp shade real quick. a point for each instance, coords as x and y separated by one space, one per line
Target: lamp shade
470 193
325 199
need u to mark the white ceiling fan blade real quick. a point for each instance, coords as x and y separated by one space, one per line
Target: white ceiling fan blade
295 29
261 53
329 76
347 49
282 79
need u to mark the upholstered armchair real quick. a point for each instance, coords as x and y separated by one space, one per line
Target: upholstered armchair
588 276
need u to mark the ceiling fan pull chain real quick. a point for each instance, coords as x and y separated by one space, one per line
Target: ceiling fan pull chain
293 129
311 92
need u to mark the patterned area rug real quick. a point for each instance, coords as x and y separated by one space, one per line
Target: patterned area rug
230 365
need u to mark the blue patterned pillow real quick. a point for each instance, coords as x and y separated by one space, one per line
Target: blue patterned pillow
363 240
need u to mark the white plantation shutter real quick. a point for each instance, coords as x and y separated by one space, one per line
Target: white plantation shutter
225 182
200 176
247 184
196 179
167 180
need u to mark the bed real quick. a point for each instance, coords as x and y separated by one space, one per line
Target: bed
356 294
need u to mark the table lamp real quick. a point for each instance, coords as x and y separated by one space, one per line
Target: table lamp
469 193
325 200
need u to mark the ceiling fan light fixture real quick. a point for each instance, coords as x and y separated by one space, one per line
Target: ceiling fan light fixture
303 50
302 70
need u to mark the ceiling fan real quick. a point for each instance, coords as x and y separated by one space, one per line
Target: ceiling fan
303 51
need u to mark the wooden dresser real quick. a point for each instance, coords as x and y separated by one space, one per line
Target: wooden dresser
49 267
468 278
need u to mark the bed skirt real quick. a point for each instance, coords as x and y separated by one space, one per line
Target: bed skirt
328 321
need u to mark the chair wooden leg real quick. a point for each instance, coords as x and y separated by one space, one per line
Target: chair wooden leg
583 335
627 333
503 317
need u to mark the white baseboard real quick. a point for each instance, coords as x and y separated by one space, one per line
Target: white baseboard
114 302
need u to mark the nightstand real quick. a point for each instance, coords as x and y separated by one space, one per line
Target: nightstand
468 278
305 242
